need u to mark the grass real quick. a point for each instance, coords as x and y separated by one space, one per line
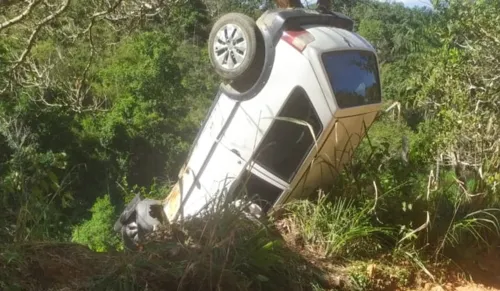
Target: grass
335 227
478 225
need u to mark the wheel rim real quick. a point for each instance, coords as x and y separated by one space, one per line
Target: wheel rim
230 47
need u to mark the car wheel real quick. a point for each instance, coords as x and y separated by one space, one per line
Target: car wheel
233 46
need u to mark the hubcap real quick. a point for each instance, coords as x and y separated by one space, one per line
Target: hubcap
230 47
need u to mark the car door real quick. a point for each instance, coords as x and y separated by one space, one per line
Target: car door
281 152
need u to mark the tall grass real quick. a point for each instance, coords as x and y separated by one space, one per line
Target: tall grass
334 227
475 228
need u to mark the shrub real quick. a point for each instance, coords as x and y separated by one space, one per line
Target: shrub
97 233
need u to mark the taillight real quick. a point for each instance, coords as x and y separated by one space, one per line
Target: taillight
299 39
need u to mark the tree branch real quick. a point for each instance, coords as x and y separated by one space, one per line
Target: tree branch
39 26
20 17
81 83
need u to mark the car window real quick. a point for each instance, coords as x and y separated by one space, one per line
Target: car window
353 77
287 143
259 191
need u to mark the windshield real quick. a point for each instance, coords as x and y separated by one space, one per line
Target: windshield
353 77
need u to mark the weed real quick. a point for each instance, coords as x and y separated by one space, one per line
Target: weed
335 227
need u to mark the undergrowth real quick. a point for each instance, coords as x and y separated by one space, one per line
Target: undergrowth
336 227
220 251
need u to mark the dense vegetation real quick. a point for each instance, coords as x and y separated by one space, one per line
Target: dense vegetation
102 99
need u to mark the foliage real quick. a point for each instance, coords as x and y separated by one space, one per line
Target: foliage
96 233
428 166
95 105
28 176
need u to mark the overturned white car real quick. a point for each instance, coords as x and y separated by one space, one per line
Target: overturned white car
301 89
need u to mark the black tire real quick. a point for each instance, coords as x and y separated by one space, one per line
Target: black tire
251 57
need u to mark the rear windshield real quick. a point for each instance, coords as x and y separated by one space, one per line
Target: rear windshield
354 77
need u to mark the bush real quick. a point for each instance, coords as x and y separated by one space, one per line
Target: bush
97 233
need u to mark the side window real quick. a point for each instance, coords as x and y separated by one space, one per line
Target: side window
287 142
261 192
